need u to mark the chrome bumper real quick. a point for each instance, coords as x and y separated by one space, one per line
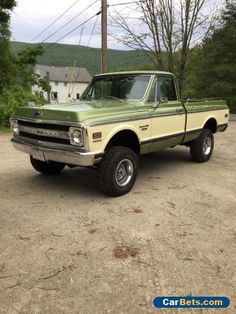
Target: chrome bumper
59 155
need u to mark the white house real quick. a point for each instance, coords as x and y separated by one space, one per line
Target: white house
67 83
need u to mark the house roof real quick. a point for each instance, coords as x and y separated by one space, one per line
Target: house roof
64 74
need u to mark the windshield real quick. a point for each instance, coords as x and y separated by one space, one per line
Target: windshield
120 87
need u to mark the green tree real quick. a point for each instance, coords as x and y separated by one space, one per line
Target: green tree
16 70
24 64
17 90
215 63
6 6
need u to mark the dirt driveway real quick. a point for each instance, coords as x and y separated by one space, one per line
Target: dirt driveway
176 232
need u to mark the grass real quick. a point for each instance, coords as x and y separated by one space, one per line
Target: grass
4 130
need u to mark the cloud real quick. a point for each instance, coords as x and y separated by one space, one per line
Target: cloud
31 17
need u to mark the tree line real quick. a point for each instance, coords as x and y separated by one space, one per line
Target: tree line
195 39
212 65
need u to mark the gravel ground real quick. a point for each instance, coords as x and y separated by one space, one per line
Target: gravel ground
66 248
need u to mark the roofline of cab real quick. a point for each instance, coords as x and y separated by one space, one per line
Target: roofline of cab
136 72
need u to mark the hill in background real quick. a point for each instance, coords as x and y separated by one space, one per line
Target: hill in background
90 58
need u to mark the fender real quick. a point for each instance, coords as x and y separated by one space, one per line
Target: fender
118 129
209 118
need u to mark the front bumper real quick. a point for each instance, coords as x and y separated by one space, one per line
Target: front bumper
58 154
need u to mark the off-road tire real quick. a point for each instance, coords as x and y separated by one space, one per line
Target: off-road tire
199 149
108 171
47 167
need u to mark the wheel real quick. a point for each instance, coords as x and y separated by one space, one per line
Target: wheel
202 148
47 167
117 171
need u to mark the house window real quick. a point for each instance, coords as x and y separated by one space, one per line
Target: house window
54 95
41 94
69 95
56 83
65 83
77 96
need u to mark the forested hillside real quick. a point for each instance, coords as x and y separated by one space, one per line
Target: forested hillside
90 58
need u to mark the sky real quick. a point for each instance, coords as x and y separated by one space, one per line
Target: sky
31 17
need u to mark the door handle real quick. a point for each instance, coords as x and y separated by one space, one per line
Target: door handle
155 106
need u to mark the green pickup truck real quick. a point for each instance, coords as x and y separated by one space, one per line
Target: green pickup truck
119 116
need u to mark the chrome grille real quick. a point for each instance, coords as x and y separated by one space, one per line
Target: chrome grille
53 133
43 132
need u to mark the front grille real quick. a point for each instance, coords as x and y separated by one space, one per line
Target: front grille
45 132
45 125
45 138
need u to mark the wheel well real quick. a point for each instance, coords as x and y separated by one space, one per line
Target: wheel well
125 138
211 125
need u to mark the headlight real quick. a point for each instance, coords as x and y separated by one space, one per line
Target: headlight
76 137
14 126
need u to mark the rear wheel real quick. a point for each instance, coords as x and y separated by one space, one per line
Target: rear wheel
47 167
202 148
117 171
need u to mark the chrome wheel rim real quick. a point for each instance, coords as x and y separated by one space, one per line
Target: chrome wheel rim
124 172
207 145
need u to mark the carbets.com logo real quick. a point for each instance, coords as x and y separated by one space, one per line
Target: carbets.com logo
191 302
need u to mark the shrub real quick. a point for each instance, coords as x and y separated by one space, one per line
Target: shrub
11 99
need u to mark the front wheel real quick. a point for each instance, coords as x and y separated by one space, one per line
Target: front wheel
202 148
47 167
117 171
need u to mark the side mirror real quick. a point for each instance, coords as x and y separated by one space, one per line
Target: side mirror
163 100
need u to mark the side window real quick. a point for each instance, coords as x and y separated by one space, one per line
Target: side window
166 88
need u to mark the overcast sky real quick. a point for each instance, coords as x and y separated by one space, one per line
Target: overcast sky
31 17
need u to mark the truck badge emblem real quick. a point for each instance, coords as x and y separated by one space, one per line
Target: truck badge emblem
38 115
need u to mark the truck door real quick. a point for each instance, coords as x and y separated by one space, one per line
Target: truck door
168 113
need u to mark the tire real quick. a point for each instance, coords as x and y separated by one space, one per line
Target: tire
47 167
117 172
202 148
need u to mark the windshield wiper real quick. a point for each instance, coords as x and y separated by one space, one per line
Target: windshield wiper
113 97
87 98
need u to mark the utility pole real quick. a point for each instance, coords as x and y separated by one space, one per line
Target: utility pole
48 92
104 65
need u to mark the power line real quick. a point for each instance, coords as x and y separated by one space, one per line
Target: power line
81 34
86 21
75 77
77 15
95 23
74 29
67 23
53 22
90 37
125 3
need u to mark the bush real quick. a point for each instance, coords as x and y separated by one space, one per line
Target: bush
232 105
11 99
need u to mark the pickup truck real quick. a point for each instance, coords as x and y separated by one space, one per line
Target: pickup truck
118 117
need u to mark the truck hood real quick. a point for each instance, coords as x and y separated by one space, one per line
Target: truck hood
83 111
